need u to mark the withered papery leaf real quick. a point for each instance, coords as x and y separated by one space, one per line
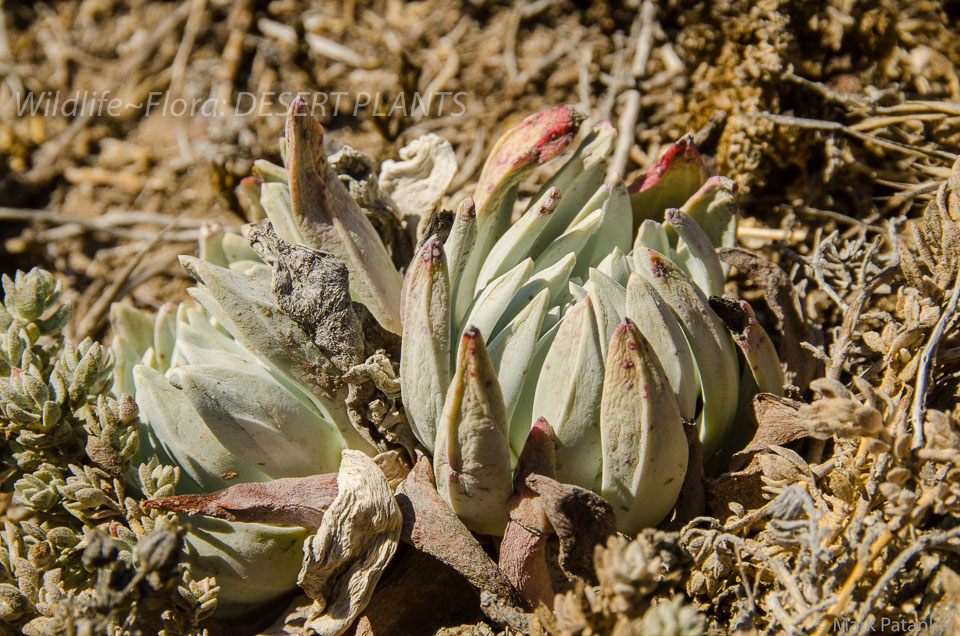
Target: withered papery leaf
312 287
295 501
581 518
432 527
419 180
356 540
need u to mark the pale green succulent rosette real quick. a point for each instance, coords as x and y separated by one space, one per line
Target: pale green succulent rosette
594 309
228 386
224 418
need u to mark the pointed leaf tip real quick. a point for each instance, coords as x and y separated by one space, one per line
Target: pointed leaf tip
535 140
682 153
472 458
669 182
538 456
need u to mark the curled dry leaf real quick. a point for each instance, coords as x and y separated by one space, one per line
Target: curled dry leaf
312 287
743 487
777 423
356 540
417 182
358 172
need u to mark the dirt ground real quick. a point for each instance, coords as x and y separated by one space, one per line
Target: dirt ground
710 67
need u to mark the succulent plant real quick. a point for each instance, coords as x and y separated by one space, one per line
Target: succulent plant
233 388
592 311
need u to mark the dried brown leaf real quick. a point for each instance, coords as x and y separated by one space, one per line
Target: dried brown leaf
523 556
295 501
782 298
777 422
432 527
582 519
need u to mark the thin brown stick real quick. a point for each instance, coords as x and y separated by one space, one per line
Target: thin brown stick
99 309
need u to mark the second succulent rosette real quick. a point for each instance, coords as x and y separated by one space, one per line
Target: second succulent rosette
590 310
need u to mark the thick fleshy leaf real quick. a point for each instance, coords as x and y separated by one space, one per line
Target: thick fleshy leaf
197 338
713 350
568 396
615 231
652 235
573 240
578 180
577 292
495 298
644 447
254 563
246 307
592 204
472 459
259 421
458 247
248 191
523 413
669 182
269 172
171 420
695 253
329 219
616 266
237 248
132 336
515 244
211 244
609 303
534 141
165 335
425 347
275 198
513 348
554 279
467 281
658 324
714 208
